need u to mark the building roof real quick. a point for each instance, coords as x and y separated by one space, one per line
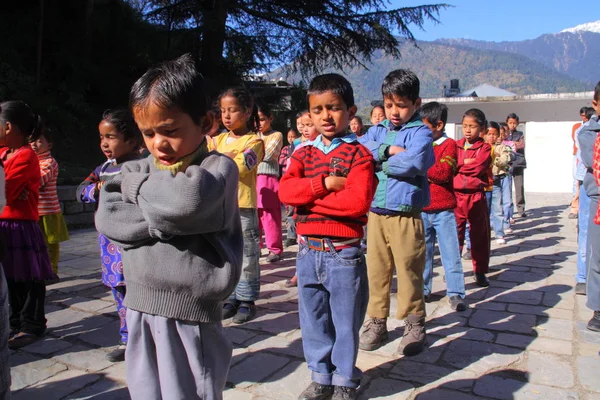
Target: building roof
485 90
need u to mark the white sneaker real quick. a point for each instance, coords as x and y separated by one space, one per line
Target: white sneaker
500 241
508 230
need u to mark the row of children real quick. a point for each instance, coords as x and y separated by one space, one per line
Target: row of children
31 222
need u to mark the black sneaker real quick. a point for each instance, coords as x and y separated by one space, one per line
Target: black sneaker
53 280
118 354
230 308
290 242
457 304
580 288
316 391
245 312
467 255
343 393
594 323
481 280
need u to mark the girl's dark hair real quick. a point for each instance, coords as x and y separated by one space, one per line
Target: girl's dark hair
477 115
47 133
22 116
495 125
301 113
512 116
123 121
358 118
173 84
503 124
376 107
265 109
244 97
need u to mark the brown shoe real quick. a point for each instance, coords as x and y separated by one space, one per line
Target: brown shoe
316 391
374 335
413 340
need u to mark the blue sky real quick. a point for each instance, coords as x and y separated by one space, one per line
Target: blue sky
506 20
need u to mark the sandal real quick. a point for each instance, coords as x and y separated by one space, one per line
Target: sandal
22 339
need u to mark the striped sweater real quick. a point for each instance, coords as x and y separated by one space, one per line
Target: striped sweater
321 212
270 163
48 197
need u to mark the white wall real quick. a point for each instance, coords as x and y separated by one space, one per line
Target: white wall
549 154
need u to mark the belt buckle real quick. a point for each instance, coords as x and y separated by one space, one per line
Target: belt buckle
315 243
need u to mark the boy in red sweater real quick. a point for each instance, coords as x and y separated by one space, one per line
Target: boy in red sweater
438 217
331 182
474 158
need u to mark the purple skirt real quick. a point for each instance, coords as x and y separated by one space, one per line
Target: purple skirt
26 255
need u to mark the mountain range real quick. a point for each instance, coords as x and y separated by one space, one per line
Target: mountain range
568 61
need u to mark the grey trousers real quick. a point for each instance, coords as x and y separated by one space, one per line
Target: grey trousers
518 179
167 359
4 332
593 260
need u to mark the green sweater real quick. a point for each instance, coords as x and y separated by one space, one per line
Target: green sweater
180 235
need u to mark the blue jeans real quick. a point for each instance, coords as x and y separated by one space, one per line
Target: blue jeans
500 207
505 185
583 222
488 199
442 225
248 288
333 293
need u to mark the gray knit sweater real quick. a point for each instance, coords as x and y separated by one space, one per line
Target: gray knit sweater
180 235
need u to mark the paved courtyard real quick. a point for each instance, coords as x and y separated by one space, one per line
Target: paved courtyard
523 337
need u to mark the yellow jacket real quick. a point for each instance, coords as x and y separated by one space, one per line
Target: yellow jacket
249 151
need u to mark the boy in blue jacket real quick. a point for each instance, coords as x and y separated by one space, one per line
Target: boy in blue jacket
402 148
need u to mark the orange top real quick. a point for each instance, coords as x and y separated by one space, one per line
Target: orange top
575 127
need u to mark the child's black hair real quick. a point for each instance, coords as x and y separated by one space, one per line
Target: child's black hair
503 124
172 84
597 92
22 116
512 116
301 113
123 121
265 109
334 83
495 125
434 112
376 107
401 83
358 118
582 110
477 115
244 97
589 112
46 133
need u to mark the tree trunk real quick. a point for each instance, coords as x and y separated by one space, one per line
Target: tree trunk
40 42
214 17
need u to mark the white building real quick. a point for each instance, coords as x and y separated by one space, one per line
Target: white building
546 119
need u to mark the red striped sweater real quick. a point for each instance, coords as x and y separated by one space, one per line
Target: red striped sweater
48 196
318 211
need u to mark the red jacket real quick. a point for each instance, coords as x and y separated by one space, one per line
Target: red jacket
22 172
441 175
472 177
323 213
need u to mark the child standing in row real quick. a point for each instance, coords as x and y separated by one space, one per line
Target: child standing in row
175 216
242 144
502 156
267 185
331 182
26 262
438 218
377 115
401 145
474 158
286 153
119 143
52 223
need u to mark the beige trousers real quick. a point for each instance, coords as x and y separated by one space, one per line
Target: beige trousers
399 241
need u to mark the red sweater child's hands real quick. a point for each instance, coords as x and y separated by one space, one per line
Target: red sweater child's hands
335 183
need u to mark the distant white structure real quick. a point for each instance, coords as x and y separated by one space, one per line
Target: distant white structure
589 27
486 90
546 119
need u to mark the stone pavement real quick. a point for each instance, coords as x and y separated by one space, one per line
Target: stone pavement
523 337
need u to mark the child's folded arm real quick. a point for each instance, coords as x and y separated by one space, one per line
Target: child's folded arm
250 157
443 170
414 161
481 163
19 178
273 150
46 172
86 191
118 220
189 203
356 198
296 190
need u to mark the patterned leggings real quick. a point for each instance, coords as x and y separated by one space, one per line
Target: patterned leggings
119 295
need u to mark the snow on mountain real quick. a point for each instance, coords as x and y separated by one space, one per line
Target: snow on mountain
589 27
